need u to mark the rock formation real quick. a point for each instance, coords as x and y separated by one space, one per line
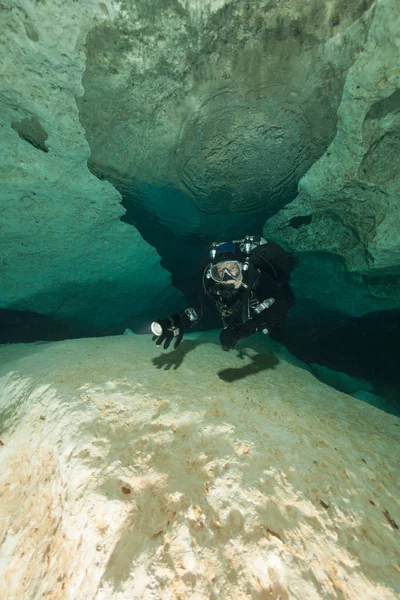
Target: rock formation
353 189
185 475
219 107
133 133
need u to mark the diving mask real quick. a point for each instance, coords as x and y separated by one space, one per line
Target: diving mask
226 271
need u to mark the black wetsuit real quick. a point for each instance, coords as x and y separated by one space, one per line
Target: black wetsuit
237 307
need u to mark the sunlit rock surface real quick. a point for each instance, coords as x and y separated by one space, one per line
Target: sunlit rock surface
131 473
348 202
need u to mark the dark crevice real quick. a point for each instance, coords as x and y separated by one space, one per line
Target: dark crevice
366 347
32 132
181 245
17 326
297 222
384 107
170 222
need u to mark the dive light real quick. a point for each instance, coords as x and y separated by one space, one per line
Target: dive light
156 328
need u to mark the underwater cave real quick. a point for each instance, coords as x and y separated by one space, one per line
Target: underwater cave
138 135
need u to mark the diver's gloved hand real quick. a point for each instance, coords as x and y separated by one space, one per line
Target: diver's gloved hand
230 336
172 327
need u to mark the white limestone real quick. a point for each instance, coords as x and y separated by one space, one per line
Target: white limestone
131 473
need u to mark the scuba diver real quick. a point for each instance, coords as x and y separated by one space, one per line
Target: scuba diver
247 281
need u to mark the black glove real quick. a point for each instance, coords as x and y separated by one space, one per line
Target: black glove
230 336
172 327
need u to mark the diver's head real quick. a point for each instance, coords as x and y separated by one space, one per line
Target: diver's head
227 273
227 266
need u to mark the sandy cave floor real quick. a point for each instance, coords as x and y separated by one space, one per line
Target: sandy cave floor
129 472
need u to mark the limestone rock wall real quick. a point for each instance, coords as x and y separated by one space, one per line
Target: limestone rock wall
63 248
233 476
230 102
349 201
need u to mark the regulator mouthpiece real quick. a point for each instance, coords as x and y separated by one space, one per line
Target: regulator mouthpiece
156 328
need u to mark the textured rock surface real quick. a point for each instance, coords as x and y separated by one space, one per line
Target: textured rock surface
354 189
231 102
228 103
191 474
63 248
323 278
